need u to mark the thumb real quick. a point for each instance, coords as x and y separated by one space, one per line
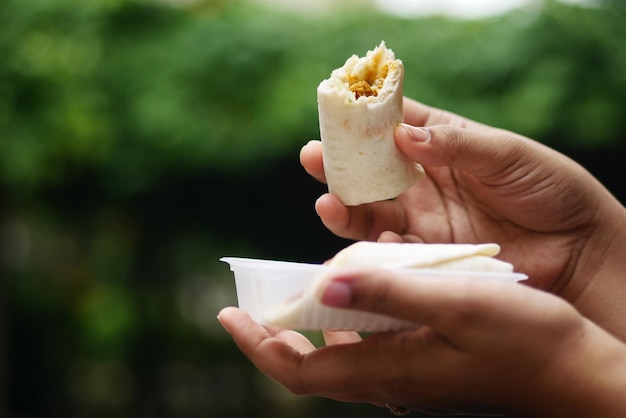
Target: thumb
447 304
402 295
481 152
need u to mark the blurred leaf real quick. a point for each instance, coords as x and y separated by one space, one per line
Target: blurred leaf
142 139
107 317
132 91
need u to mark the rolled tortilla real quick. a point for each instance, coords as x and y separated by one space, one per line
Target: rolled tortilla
307 312
472 257
359 107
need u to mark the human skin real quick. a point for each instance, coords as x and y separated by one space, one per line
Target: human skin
553 220
483 345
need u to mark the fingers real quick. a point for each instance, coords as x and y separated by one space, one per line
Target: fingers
451 306
415 113
334 215
447 140
340 337
378 290
364 222
291 360
418 114
390 236
483 153
287 357
357 222
250 336
311 160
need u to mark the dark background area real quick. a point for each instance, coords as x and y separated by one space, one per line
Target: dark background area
141 140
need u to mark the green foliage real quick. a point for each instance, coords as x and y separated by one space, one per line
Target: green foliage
129 91
139 141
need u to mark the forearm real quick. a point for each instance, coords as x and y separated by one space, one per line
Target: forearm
602 298
604 302
588 381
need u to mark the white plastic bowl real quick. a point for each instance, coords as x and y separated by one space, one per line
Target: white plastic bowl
264 287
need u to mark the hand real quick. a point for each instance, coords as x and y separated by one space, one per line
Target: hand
553 220
483 344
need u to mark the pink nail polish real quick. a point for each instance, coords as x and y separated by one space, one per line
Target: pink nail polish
417 134
337 294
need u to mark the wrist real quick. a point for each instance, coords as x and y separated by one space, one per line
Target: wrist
600 291
587 379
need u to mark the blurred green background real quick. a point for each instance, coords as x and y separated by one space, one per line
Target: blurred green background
140 140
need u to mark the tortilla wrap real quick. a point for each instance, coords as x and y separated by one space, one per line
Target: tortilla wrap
307 312
359 107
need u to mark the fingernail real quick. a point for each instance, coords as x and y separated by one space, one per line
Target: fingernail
417 134
337 294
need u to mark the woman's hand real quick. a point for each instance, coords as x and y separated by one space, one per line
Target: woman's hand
553 220
483 345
